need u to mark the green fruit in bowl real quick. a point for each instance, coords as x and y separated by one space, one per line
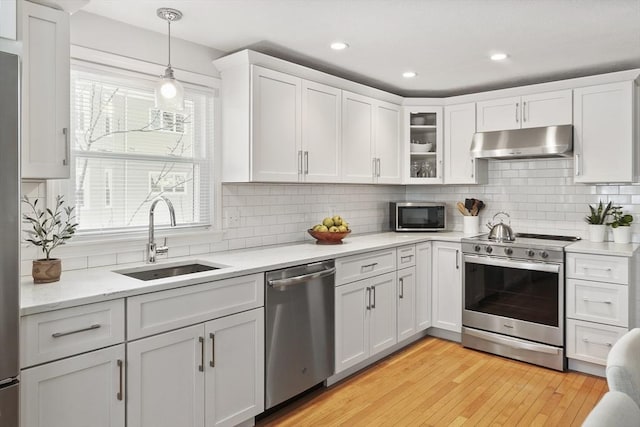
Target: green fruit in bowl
322 229
342 229
337 220
327 222
333 229
317 226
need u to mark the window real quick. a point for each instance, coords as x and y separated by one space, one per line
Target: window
125 152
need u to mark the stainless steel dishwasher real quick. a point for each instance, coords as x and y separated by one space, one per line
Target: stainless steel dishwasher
299 342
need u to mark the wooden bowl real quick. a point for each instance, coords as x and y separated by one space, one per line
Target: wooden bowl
327 237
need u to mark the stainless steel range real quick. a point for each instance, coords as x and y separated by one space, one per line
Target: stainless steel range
513 297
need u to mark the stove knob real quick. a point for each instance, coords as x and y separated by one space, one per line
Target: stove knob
489 249
544 254
508 251
530 252
477 248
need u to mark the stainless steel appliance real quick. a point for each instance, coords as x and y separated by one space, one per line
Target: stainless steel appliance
299 341
541 142
10 232
417 216
513 297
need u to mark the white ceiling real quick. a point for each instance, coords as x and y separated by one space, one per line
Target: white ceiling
447 42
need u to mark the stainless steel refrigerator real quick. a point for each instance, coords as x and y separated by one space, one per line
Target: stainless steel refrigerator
9 237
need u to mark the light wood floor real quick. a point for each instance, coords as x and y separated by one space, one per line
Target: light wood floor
439 383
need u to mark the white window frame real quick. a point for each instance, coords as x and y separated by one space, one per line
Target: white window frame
191 234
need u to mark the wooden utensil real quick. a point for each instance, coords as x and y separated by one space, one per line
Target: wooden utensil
462 209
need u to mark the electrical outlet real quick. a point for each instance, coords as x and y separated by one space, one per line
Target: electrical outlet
232 218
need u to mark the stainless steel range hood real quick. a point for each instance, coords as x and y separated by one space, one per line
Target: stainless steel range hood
551 141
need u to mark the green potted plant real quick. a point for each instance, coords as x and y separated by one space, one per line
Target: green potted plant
597 226
49 229
621 225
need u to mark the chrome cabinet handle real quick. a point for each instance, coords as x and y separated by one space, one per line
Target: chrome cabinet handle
401 288
373 293
212 363
406 258
576 164
517 107
76 331
120 368
306 163
586 267
524 111
378 167
472 167
368 290
365 267
65 161
201 366
374 167
457 259
299 162
605 344
585 299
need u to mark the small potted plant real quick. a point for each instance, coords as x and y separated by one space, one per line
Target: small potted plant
621 225
597 226
49 229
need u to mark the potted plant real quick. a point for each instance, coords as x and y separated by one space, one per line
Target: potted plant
597 227
49 229
621 225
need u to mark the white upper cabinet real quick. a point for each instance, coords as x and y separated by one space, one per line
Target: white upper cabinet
321 132
604 143
45 92
459 127
276 117
357 138
423 145
370 140
387 143
537 110
8 18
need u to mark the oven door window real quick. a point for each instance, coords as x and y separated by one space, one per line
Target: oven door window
516 293
421 217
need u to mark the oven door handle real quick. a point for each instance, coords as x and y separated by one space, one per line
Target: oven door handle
498 262
512 342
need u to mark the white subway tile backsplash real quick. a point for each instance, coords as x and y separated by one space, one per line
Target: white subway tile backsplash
101 260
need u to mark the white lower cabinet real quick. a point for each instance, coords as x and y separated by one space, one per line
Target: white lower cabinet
423 286
406 303
365 319
79 391
210 374
447 286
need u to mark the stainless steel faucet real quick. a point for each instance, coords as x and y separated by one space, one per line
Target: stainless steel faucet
152 248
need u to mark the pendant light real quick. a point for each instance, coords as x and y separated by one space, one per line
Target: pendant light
169 92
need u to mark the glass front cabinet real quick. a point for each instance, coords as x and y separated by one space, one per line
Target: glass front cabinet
423 145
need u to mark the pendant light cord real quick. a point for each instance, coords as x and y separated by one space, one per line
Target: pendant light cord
169 23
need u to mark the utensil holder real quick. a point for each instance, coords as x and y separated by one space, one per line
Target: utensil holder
471 225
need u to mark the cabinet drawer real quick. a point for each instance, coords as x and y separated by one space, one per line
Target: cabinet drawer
357 267
406 256
598 267
591 342
598 302
162 311
61 333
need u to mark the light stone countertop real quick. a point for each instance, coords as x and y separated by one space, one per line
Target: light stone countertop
604 248
92 285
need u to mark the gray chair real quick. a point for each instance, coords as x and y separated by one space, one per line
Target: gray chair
623 366
614 409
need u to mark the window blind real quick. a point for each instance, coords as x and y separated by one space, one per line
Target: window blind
126 153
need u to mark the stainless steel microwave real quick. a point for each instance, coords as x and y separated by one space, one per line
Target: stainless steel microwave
418 216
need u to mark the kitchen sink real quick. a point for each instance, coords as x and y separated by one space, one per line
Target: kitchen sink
169 270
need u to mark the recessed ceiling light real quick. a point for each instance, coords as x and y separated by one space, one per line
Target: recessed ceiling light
498 56
339 45
409 74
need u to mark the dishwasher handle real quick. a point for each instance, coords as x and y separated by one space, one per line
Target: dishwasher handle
283 283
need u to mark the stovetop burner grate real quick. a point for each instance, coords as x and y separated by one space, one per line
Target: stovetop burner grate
548 237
